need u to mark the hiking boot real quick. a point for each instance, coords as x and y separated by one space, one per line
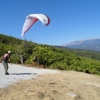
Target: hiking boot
7 73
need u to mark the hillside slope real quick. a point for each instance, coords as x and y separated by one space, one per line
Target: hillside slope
48 56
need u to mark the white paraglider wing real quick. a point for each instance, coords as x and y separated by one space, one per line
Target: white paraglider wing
32 18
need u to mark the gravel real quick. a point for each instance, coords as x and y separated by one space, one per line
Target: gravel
19 72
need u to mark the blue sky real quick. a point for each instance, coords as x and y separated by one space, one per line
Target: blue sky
71 20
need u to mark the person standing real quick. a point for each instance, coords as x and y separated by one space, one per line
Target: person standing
21 58
5 59
36 60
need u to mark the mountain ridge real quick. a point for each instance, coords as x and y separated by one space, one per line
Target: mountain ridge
88 44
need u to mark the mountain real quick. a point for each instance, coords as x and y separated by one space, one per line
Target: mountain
90 44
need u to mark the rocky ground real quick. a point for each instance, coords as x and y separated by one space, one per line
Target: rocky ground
65 85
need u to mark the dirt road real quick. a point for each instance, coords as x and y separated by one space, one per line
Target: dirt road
66 85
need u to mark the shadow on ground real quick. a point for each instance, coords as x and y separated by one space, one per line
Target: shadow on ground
22 73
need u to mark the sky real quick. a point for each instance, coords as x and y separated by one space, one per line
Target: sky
70 20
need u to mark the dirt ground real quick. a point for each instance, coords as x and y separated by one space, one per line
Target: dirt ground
66 85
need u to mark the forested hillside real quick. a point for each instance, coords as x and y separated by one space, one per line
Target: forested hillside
49 56
84 53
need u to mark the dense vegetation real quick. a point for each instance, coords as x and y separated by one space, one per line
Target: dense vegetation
84 53
50 56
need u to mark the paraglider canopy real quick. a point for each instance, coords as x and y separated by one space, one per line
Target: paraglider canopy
32 18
